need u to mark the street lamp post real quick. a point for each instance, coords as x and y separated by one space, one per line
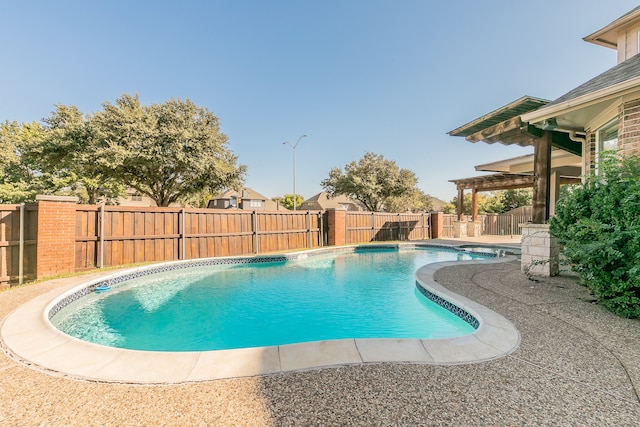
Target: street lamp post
294 168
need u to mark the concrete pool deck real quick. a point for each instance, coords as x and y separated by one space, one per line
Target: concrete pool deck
577 364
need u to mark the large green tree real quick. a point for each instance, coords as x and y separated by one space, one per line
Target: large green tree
19 181
170 152
413 201
67 156
372 180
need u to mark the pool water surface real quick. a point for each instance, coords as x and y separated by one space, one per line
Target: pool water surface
363 294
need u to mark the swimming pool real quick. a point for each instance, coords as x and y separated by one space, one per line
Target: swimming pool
370 293
27 335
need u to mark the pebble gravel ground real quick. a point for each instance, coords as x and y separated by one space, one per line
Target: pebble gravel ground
577 365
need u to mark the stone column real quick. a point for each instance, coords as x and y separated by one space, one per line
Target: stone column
459 229
337 227
540 251
55 244
474 228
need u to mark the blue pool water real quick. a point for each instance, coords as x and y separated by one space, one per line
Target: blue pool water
366 294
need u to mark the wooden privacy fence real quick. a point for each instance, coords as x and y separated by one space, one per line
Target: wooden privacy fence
56 235
18 233
504 224
114 235
379 227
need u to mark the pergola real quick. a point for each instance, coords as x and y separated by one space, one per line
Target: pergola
556 158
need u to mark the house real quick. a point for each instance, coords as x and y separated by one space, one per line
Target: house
248 199
134 198
322 201
598 115
570 132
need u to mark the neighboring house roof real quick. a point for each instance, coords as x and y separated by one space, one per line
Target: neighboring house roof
437 205
248 194
322 201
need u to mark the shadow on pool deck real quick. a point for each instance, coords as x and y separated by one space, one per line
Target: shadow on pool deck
577 364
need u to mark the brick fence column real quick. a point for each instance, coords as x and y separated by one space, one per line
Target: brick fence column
55 245
437 224
336 224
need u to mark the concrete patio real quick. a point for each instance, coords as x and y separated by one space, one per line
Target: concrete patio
577 364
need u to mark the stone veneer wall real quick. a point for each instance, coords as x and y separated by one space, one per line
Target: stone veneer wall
540 251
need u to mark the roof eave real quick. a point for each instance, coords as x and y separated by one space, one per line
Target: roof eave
608 36
554 110
461 130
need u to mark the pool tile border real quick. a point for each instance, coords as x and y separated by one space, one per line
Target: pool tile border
28 336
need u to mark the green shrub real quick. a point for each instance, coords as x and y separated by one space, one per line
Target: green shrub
599 226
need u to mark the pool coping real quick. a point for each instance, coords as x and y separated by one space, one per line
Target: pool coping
28 336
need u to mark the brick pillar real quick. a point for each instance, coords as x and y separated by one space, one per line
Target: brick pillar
336 224
437 224
55 245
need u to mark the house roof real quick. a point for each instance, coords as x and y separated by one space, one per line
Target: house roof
248 194
513 109
621 73
322 201
567 164
608 36
584 102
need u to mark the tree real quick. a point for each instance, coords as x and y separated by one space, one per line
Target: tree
512 199
19 182
413 201
373 180
287 201
487 203
67 156
170 152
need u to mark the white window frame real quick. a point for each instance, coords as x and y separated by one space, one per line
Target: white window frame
601 139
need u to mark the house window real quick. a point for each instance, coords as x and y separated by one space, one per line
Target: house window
607 138
136 197
256 203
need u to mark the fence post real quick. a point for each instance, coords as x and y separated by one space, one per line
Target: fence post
183 235
399 227
254 226
21 249
336 226
373 227
308 229
56 240
101 265
321 229
437 225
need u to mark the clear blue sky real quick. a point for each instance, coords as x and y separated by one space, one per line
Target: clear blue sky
391 77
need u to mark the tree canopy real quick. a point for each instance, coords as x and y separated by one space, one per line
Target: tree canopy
287 201
170 152
494 202
372 180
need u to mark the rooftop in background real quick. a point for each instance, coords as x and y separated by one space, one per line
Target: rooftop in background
322 201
